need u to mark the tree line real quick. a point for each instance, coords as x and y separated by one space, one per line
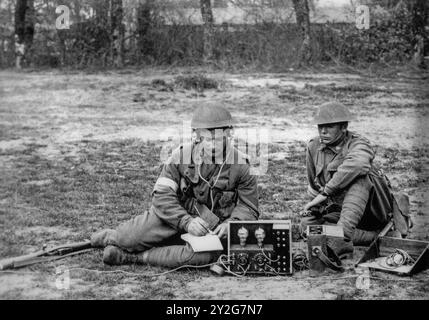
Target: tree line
98 35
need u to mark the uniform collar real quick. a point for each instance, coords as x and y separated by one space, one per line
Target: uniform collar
337 146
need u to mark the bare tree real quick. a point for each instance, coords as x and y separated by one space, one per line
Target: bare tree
207 14
144 20
117 30
24 30
302 14
420 14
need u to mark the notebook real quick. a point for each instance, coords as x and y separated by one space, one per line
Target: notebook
209 242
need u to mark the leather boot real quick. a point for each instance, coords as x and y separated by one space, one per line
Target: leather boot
113 255
103 238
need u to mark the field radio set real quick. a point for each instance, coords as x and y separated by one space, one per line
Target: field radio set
260 247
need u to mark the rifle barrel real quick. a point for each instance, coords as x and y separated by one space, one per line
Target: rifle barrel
16 262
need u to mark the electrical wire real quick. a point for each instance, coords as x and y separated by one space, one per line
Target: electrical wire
273 270
268 258
226 267
300 260
146 275
244 271
216 180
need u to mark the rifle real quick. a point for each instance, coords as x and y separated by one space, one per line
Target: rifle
386 229
46 254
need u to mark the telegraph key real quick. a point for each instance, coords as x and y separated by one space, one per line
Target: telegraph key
260 247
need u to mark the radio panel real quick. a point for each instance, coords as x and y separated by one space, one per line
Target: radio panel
260 247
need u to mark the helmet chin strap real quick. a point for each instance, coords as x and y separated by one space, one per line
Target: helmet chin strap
212 153
228 149
207 156
337 139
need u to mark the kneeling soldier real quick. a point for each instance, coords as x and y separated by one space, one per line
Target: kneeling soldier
345 187
208 173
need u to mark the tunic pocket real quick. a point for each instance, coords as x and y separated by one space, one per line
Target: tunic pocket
332 167
227 199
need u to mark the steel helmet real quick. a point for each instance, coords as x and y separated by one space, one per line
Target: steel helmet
332 112
211 116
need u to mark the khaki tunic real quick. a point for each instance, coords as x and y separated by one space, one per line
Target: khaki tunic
345 173
179 188
333 168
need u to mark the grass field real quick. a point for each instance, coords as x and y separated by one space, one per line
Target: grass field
80 152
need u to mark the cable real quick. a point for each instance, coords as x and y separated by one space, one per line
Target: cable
227 270
300 260
216 180
269 259
273 270
244 271
145 275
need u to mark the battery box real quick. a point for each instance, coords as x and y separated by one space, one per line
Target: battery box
260 247
317 237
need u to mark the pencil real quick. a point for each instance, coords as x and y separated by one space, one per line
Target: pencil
207 229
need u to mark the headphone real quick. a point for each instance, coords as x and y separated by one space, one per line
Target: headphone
228 133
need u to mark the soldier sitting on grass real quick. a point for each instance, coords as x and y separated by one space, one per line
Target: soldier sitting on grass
193 180
344 186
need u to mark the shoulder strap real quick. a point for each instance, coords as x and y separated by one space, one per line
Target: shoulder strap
334 265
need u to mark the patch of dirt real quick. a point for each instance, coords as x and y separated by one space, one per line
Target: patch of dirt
258 288
25 286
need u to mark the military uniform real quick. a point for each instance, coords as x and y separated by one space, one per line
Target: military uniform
175 195
359 197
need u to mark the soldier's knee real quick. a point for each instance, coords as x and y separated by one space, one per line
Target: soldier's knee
348 230
189 256
356 198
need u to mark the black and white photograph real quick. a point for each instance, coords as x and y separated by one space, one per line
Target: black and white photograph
224 152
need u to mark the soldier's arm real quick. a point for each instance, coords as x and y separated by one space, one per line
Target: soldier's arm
356 163
247 202
311 170
165 198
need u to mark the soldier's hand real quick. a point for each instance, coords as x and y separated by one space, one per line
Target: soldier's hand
317 200
221 230
198 227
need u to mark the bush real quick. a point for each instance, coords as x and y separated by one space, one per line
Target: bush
389 39
198 82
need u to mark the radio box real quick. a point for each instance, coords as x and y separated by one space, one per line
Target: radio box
260 247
